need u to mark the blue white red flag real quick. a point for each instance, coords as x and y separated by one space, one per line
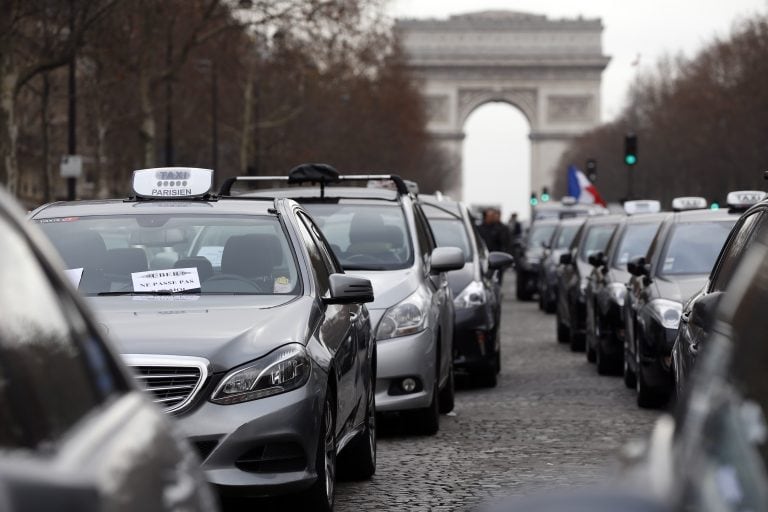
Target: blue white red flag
581 188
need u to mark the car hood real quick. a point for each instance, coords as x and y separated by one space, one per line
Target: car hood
679 289
459 279
226 330
389 286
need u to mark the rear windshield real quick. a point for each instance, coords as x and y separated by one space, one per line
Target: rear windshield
161 254
692 248
451 233
595 240
365 237
565 236
635 242
540 235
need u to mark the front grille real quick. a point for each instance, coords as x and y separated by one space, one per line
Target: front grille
172 383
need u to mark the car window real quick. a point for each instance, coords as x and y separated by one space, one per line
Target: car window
49 379
451 233
634 242
540 235
204 254
735 249
692 247
319 266
365 237
595 240
565 236
326 253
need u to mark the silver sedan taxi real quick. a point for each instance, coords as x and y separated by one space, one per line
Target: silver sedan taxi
238 319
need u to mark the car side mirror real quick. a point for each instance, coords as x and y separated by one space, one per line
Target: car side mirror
566 258
638 267
597 259
499 260
345 289
703 311
445 259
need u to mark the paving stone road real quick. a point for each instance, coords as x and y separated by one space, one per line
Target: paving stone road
551 422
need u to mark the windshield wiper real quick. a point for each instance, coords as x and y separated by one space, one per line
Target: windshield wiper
156 292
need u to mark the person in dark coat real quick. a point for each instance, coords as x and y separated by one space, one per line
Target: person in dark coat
494 233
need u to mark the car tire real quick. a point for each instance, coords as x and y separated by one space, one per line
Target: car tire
427 421
647 398
487 380
358 460
630 379
550 306
447 395
322 494
520 290
541 301
591 354
576 341
497 361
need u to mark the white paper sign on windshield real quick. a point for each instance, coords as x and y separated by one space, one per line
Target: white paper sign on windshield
74 275
173 280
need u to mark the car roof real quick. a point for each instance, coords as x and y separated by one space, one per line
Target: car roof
157 207
605 219
644 218
329 192
572 221
704 215
547 222
442 202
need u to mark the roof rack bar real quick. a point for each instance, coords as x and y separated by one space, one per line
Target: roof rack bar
226 187
402 187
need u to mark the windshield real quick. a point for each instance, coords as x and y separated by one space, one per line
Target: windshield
161 254
692 248
635 242
451 233
596 240
365 237
540 235
565 236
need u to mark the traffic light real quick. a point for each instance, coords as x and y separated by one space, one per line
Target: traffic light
630 149
544 194
534 200
591 168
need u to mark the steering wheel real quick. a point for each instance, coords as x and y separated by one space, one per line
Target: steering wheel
224 278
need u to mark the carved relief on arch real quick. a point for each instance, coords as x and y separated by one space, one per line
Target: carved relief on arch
524 99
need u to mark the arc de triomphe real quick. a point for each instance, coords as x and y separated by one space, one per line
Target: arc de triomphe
549 69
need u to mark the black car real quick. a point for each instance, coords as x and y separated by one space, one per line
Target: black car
76 433
573 275
476 289
561 242
607 286
528 262
696 320
712 453
675 267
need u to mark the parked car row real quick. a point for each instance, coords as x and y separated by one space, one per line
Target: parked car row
624 284
272 325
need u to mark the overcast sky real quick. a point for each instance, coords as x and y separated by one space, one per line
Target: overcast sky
496 148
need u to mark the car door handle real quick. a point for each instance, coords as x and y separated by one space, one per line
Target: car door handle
685 317
693 348
353 317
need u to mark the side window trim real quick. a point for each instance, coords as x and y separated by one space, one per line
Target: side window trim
739 233
329 259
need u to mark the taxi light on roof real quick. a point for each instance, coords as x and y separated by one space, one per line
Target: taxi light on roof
172 182
642 206
680 204
745 198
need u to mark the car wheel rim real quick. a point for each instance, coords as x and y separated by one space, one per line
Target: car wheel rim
330 452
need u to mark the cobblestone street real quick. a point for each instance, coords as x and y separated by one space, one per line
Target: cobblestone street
551 422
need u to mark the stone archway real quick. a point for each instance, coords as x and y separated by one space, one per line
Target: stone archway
549 69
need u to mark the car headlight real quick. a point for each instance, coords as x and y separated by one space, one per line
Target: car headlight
407 317
471 296
284 369
617 291
668 312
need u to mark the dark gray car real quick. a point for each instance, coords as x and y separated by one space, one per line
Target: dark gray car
476 289
237 317
75 431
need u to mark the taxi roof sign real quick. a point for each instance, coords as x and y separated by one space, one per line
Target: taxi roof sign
744 198
568 201
172 182
642 206
680 204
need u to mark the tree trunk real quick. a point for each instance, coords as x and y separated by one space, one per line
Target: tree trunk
246 138
102 180
9 130
148 125
49 180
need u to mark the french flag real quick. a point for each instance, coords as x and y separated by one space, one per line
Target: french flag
581 188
